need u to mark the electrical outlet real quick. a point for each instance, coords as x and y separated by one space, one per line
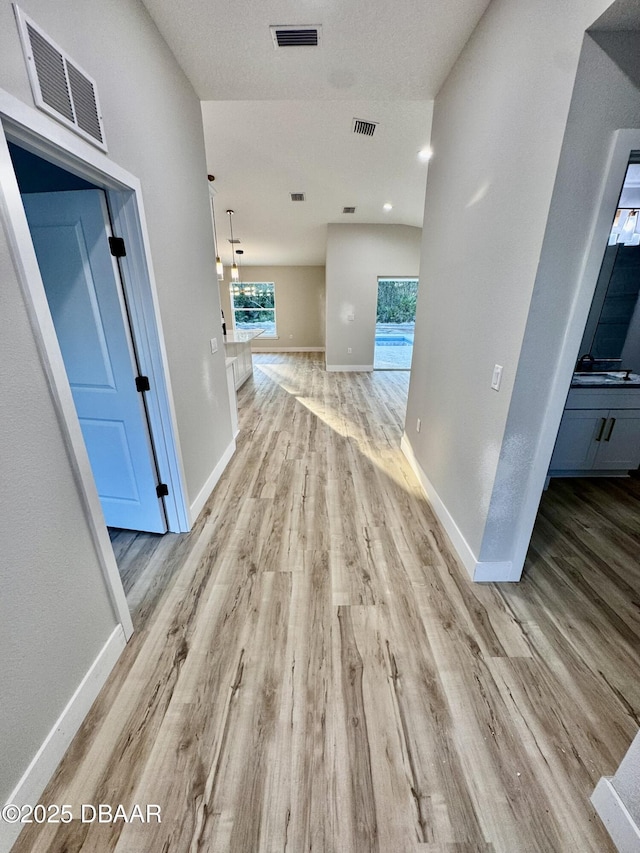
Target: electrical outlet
418 425
497 377
290 337
214 345
349 350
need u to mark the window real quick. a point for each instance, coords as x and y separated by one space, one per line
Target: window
254 306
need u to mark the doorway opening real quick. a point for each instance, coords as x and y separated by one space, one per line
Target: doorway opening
72 235
591 511
395 323
88 170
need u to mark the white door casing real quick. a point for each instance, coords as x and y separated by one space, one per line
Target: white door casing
43 136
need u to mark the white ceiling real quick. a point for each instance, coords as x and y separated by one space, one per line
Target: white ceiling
280 121
283 147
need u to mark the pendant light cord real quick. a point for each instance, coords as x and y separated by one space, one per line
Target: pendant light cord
213 217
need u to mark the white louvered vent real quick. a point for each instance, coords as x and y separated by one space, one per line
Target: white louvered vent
296 36
348 210
60 87
366 128
297 196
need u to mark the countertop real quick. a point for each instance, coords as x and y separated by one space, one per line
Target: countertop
242 336
610 379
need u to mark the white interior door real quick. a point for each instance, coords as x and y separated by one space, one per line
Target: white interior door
70 234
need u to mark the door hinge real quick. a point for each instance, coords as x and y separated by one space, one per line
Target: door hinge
142 383
162 490
116 244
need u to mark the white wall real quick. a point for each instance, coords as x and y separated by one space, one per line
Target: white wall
498 127
357 255
55 613
153 127
300 305
604 100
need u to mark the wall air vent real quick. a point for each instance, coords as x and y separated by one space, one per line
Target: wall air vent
295 36
366 128
60 87
348 210
297 196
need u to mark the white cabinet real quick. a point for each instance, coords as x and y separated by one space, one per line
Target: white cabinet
595 439
238 347
233 402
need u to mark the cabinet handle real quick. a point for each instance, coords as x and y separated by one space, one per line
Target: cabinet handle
603 423
608 435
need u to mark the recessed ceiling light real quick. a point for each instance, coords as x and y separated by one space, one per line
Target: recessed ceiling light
387 206
425 154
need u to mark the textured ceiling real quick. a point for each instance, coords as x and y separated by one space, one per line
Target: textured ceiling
381 49
280 121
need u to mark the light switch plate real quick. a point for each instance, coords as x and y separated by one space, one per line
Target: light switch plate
497 377
214 345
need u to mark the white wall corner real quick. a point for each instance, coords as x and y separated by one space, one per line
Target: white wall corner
349 368
485 572
460 544
43 766
612 811
494 572
203 495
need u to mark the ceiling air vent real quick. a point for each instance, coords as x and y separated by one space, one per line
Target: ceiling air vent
60 87
295 36
348 210
297 196
366 128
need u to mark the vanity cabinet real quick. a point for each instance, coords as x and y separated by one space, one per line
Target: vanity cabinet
599 433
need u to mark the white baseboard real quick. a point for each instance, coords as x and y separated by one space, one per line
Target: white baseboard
47 758
258 349
612 811
485 572
349 368
203 495
494 571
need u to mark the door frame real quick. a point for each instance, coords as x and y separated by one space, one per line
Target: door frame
623 142
46 138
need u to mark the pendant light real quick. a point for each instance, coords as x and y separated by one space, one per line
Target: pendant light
239 254
234 267
219 267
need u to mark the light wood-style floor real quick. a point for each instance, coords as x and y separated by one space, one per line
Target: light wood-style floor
313 671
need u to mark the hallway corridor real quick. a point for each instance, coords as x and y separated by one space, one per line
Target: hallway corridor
319 674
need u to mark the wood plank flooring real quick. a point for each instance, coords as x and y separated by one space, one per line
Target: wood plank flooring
313 671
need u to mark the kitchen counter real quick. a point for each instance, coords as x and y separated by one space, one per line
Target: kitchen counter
242 336
237 346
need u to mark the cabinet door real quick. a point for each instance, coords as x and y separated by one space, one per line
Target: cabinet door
619 448
577 445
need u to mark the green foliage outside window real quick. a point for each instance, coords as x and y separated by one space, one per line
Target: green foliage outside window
254 306
397 300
